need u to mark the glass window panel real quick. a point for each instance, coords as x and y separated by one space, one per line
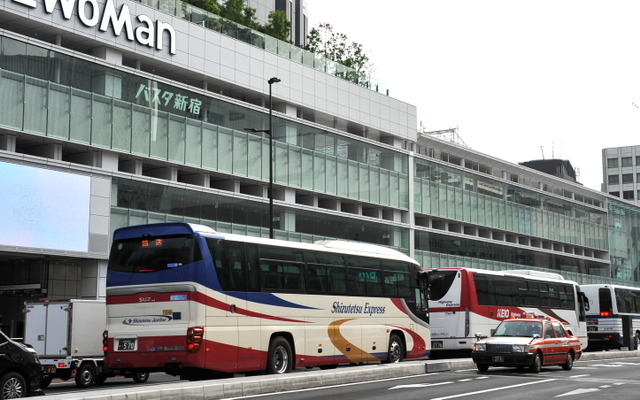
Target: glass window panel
343 178
159 134
352 179
35 100
240 151
101 122
177 138
295 166
320 172
254 168
80 117
280 162
384 187
374 184
141 130
225 149
209 146
121 126
364 188
612 163
193 144
332 175
12 94
307 170
59 111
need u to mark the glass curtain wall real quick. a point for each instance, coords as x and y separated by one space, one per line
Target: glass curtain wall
624 241
136 202
70 99
450 193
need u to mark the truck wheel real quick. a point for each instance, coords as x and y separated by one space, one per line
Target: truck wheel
86 375
140 377
12 386
280 357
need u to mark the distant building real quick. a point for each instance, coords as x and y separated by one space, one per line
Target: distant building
296 11
621 172
559 168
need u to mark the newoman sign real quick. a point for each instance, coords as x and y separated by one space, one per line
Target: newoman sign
140 28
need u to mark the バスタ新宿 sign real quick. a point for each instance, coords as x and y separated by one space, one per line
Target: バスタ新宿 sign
140 28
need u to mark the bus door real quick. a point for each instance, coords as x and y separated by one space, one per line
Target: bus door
237 333
446 316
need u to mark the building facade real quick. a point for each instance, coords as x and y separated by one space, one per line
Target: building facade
117 112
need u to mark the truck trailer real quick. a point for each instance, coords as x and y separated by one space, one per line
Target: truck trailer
67 335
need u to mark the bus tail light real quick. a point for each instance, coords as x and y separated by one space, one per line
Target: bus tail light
605 314
195 335
105 339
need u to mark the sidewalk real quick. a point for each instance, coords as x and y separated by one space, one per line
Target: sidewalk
252 385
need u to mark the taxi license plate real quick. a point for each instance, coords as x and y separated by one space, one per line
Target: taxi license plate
436 344
49 369
498 359
126 344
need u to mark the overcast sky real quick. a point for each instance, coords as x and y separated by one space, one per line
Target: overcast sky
521 80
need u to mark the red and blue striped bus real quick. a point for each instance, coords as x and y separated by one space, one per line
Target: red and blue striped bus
187 300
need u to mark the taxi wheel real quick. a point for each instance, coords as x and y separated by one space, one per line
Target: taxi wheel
536 366
568 363
482 367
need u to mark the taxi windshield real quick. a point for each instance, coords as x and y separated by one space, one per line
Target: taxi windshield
519 328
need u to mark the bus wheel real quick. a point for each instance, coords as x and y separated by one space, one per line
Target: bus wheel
396 349
85 376
280 357
140 377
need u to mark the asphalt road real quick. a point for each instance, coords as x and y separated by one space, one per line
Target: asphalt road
598 375
612 379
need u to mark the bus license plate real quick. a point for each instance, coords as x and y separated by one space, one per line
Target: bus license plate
498 359
126 344
436 344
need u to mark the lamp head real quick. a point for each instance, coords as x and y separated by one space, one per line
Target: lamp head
273 80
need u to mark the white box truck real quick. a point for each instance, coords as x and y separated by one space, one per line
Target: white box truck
67 335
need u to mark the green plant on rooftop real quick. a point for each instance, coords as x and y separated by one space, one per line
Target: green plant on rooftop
322 40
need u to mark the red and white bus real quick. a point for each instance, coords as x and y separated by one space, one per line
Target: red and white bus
187 300
465 302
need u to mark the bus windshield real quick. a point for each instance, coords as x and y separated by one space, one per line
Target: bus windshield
152 254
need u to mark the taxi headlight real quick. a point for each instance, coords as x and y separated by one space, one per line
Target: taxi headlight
520 348
480 347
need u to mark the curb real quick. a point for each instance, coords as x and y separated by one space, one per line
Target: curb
255 385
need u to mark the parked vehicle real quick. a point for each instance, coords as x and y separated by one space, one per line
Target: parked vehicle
527 342
67 336
20 370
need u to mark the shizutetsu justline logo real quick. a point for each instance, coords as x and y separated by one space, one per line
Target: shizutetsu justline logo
105 16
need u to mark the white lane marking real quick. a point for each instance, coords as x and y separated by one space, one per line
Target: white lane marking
419 385
578 391
494 389
579 376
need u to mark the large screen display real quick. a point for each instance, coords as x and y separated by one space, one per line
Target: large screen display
42 208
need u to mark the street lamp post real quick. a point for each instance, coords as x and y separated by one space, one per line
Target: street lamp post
270 132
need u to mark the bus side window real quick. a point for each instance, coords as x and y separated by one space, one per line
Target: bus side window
253 268
316 280
234 265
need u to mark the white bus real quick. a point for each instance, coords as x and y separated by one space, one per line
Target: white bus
609 305
464 302
187 300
